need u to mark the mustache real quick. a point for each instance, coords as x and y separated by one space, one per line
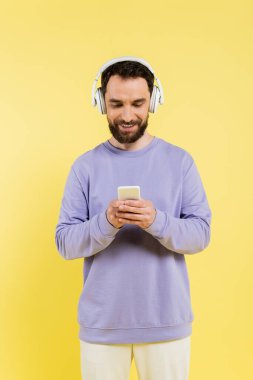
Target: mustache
129 123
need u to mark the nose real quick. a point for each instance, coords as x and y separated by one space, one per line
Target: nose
127 114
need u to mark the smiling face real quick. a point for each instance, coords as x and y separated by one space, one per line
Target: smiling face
127 106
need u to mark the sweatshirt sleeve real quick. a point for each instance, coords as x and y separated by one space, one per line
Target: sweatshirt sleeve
191 232
76 235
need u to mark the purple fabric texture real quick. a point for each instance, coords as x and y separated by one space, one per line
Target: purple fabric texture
136 287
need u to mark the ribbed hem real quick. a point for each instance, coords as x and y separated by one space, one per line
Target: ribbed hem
158 224
105 226
135 335
131 153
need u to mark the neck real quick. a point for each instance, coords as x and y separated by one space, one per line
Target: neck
139 144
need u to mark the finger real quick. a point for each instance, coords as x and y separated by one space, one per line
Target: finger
129 216
136 210
116 203
135 202
128 221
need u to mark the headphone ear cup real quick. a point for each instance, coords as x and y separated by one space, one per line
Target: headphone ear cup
100 101
154 100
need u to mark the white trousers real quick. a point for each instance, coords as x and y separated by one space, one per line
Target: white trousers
166 360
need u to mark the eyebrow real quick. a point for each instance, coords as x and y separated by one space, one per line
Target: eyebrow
112 100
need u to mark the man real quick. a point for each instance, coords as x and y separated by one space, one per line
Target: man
135 300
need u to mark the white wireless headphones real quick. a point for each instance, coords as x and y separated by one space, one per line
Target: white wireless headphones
97 95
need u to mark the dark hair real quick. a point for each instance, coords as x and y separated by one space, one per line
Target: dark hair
127 69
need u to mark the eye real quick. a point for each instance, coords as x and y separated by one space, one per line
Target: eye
119 105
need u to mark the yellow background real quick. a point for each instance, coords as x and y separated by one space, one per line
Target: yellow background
50 53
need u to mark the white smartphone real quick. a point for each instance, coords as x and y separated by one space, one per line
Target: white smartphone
129 192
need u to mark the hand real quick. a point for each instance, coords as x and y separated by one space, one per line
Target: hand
139 212
112 211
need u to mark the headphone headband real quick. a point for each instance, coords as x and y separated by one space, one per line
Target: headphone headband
120 59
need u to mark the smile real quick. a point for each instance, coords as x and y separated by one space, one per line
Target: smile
127 126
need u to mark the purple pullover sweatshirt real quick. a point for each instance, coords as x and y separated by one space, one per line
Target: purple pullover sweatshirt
136 287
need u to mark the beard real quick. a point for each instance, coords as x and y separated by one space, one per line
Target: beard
128 137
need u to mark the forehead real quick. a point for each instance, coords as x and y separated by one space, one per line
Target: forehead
118 87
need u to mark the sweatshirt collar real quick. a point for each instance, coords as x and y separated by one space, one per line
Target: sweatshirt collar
131 153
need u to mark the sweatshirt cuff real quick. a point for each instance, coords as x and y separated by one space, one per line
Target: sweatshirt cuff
157 227
105 226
